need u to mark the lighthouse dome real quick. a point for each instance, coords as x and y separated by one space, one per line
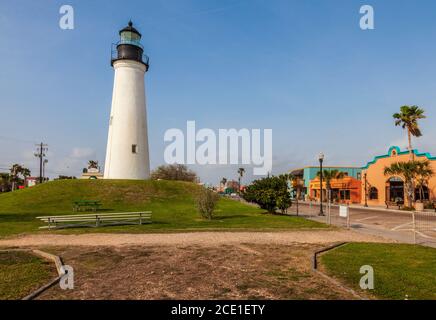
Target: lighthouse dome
129 47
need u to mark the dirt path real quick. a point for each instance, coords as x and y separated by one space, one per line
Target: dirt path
194 238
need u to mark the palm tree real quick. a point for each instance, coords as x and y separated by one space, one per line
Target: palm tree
328 175
25 172
241 172
92 164
408 118
15 171
424 172
406 170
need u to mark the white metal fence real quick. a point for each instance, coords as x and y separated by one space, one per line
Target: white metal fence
416 227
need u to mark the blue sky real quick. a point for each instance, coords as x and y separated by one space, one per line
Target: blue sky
302 68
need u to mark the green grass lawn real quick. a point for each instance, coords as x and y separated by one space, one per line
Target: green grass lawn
172 203
21 273
399 269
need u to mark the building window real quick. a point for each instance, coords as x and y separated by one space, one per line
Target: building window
359 176
134 148
373 193
422 193
345 194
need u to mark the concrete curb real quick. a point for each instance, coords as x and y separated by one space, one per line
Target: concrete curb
332 280
59 268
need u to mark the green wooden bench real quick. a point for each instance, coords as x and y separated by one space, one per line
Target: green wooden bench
96 220
84 205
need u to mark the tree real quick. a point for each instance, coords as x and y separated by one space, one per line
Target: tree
92 164
25 172
174 172
15 171
206 203
408 118
4 182
241 172
424 172
269 193
223 182
406 170
328 176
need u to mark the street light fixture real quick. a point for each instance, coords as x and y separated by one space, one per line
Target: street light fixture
321 159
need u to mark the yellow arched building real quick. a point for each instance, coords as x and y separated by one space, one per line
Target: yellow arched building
379 189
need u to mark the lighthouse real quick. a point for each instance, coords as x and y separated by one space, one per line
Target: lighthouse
127 155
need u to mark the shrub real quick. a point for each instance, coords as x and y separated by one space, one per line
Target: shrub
174 172
269 193
206 203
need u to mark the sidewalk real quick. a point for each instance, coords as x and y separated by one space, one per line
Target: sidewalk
362 207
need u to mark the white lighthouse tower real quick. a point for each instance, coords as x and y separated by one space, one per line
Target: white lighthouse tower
127 154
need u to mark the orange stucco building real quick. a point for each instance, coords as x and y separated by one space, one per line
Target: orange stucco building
371 186
344 190
379 189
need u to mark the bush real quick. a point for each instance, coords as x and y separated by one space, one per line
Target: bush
206 203
270 194
174 172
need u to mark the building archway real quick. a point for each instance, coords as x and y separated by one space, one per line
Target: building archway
395 190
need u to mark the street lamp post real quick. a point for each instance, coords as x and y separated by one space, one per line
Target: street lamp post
366 190
321 159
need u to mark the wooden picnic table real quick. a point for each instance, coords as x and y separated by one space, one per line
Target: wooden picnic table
93 205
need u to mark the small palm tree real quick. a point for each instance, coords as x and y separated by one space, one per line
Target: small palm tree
92 164
241 172
408 118
15 171
25 172
328 176
424 172
407 171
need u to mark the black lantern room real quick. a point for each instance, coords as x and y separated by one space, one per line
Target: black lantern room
129 47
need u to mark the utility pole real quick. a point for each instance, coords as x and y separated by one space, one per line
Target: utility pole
40 153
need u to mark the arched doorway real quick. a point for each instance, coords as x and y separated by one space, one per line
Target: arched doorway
395 190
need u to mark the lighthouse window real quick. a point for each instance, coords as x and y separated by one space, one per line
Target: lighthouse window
134 148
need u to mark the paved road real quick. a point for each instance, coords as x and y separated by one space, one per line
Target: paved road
394 224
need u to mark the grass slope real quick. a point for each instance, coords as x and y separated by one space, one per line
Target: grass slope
399 269
172 203
21 273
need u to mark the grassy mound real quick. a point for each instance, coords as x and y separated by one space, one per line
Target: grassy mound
172 204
